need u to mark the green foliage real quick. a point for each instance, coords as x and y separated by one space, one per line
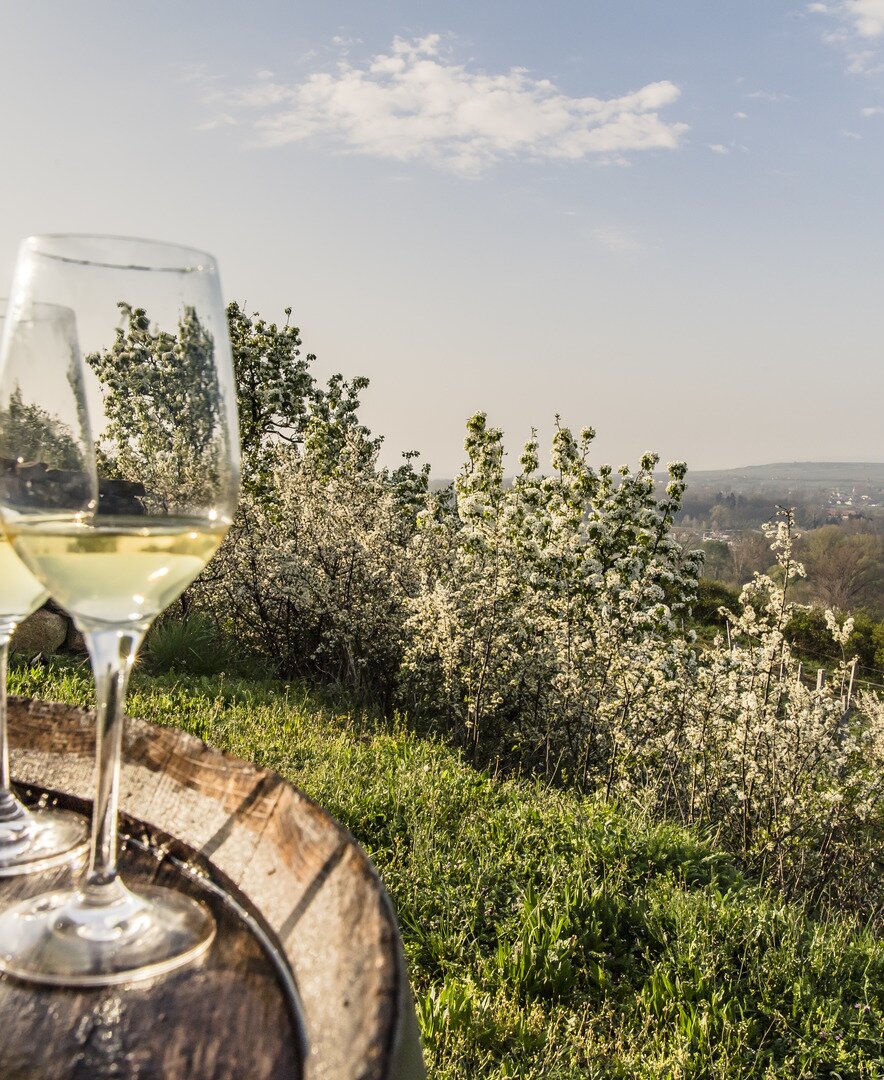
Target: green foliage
274 387
551 935
734 562
711 597
845 567
281 405
717 561
43 463
195 645
809 634
867 642
334 437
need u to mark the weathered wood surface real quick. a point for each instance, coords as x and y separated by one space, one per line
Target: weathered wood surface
282 871
200 1021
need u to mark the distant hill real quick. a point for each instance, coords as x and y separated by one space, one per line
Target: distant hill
805 475
727 501
802 475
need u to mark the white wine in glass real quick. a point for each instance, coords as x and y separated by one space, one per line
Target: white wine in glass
30 840
114 569
146 390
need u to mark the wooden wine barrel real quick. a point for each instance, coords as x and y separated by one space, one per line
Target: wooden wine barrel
306 976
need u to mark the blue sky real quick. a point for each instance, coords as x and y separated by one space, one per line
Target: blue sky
663 220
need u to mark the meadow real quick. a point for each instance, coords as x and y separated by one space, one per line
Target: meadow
549 933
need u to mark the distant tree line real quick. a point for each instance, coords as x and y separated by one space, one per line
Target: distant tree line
713 510
844 564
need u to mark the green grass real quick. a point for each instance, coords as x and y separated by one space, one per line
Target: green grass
549 935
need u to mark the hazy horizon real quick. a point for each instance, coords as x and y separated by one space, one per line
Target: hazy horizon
660 471
656 221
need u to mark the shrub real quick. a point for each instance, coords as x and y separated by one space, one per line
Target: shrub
193 644
712 596
545 628
314 574
545 636
785 774
809 634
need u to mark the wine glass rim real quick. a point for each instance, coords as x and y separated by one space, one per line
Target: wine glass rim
91 249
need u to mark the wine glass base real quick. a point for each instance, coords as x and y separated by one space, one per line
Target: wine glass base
60 939
43 839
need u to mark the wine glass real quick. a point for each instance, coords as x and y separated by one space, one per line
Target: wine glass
154 397
30 840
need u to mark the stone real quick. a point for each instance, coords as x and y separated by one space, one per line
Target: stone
74 642
43 632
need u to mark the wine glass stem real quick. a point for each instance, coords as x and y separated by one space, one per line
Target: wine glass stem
10 808
4 735
112 652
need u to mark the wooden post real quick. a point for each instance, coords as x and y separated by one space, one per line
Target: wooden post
850 684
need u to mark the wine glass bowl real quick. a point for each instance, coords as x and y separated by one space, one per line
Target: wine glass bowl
30 840
146 397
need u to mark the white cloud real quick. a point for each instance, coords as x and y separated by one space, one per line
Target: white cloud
774 97
867 16
862 17
718 148
412 103
858 26
872 110
860 63
263 94
741 116
851 134
222 120
617 240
